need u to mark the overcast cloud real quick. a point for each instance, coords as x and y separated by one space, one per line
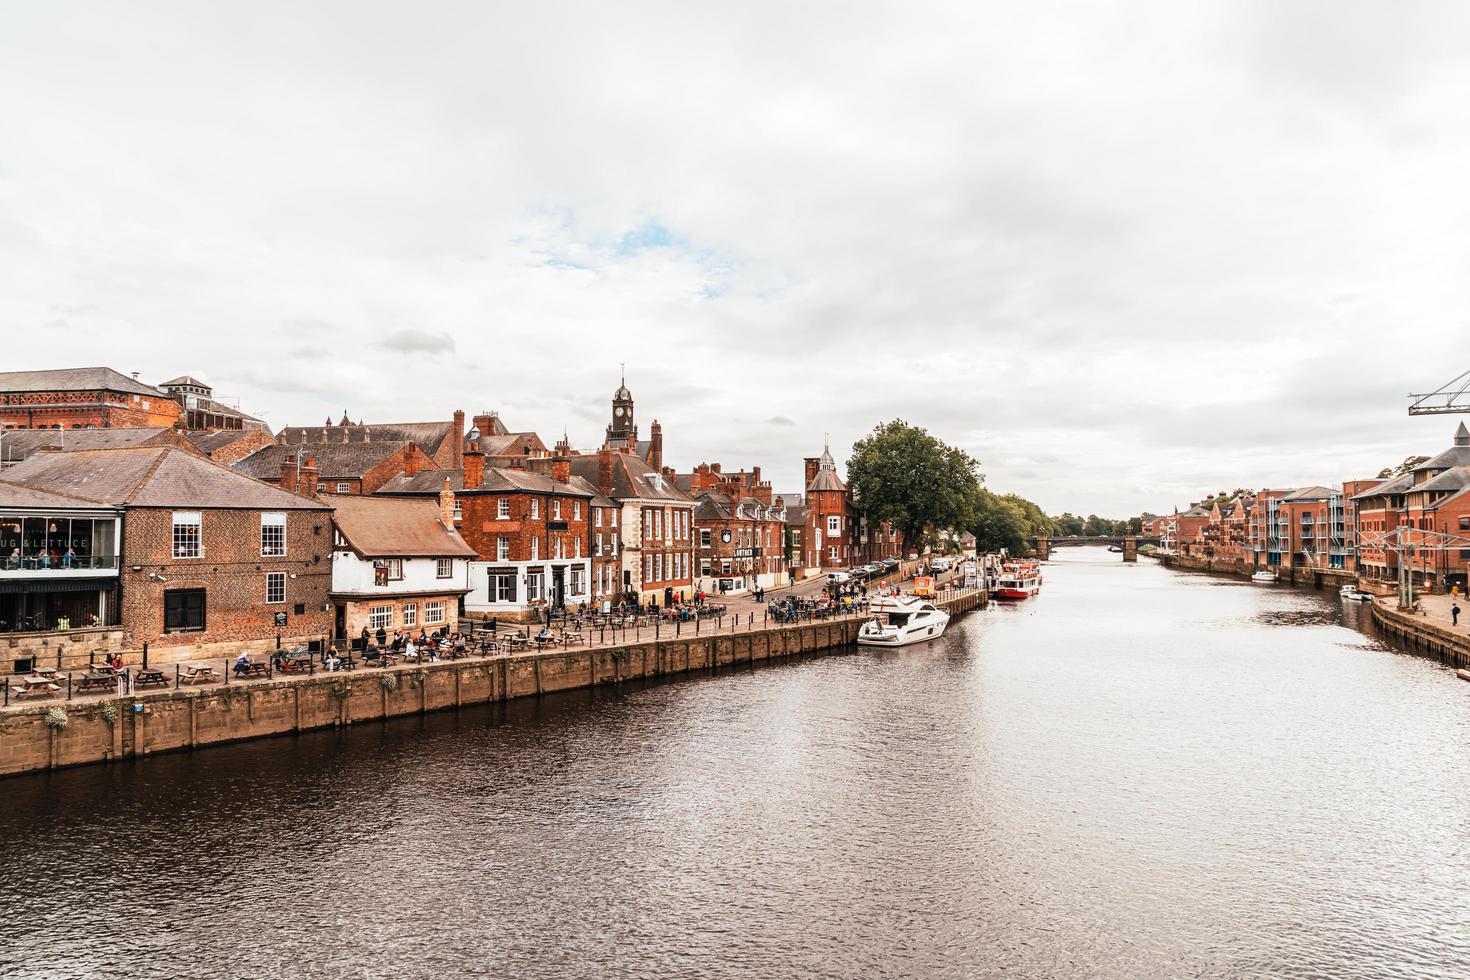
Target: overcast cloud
1122 256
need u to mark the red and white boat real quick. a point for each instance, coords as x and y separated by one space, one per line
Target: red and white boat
1018 580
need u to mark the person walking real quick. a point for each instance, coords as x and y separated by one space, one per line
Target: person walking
1454 614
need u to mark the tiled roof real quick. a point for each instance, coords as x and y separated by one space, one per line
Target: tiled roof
332 462
1454 456
796 514
428 435
510 444
1310 493
396 527
159 476
184 379
423 482
17 444
18 495
632 478
1399 484
1454 478
75 379
208 442
598 500
501 479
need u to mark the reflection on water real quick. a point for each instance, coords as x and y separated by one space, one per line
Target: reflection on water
1138 773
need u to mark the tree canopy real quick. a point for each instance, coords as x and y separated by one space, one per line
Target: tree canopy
1402 468
1008 521
902 475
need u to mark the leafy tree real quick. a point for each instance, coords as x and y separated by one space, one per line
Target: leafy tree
903 475
1068 524
1404 467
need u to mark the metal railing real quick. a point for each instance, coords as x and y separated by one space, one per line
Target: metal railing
58 563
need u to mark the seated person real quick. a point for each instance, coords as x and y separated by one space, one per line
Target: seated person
543 634
409 653
242 664
115 661
332 662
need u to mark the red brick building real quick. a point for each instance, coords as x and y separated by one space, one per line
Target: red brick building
443 442
210 559
83 398
342 469
1433 497
739 529
831 538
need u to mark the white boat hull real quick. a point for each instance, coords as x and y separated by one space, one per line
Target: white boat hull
889 636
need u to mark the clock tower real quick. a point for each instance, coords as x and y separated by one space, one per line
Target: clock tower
622 428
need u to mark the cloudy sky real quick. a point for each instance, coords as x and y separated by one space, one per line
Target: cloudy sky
1124 256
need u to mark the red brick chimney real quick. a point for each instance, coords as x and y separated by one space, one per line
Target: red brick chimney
456 460
446 506
307 483
561 469
656 445
474 468
411 463
288 474
811 470
605 472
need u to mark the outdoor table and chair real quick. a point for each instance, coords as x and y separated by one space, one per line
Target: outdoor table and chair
150 678
94 682
198 674
37 686
250 668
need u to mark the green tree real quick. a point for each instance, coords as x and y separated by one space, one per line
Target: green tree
1404 467
905 476
1067 524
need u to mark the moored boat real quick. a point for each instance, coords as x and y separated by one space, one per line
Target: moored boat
1263 577
1354 594
900 620
1018 580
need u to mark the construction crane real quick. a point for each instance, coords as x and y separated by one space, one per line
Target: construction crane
1447 399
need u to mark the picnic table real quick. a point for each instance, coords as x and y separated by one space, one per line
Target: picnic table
198 674
37 686
94 681
295 665
249 668
568 638
150 678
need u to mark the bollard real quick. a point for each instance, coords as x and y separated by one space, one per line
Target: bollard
7 692
68 685
176 677
227 671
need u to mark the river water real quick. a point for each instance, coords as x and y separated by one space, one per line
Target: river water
1139 773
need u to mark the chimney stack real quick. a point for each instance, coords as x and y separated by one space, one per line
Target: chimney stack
446 506
411 463
306 486
456 460
656 446
605 472
474 468
288 474
811 470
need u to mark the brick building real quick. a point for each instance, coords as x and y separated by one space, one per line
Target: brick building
212 562
1432 497
18 444
203 413
656 520
83 398
227 446
443 442
397 564
831 537
739 529
342 468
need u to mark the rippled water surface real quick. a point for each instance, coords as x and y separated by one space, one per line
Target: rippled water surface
1137 774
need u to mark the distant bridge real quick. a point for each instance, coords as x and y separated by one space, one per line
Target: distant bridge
1129 543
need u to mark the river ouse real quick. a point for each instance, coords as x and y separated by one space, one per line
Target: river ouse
1138 773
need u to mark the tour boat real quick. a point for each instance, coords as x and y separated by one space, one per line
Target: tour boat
1021 580
1263 577
1355 594
900 620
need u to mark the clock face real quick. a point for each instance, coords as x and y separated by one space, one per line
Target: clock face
618 411
725 536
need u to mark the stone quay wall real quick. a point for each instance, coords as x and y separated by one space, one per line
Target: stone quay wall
106 729
1311 578
1415 631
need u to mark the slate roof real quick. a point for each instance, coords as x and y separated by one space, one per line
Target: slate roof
17 496
332 462
510 444
185 379
796 514
18 444
215 439
75 379
826 477
598 500
428 435
501 479
1399 484
424 482
154 476
632 478
396 527
1310 493
713 505
1454 478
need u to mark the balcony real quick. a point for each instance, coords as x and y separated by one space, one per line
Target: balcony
65 566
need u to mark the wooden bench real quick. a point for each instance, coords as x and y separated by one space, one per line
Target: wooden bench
94 682
198 675
250 668
295 665
150 678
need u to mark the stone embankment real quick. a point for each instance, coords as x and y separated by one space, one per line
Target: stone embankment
52 734
1422 632
1312 578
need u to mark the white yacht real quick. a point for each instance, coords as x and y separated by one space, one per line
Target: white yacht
1353 593
1263 577
900 620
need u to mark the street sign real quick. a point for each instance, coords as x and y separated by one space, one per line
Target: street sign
280 619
